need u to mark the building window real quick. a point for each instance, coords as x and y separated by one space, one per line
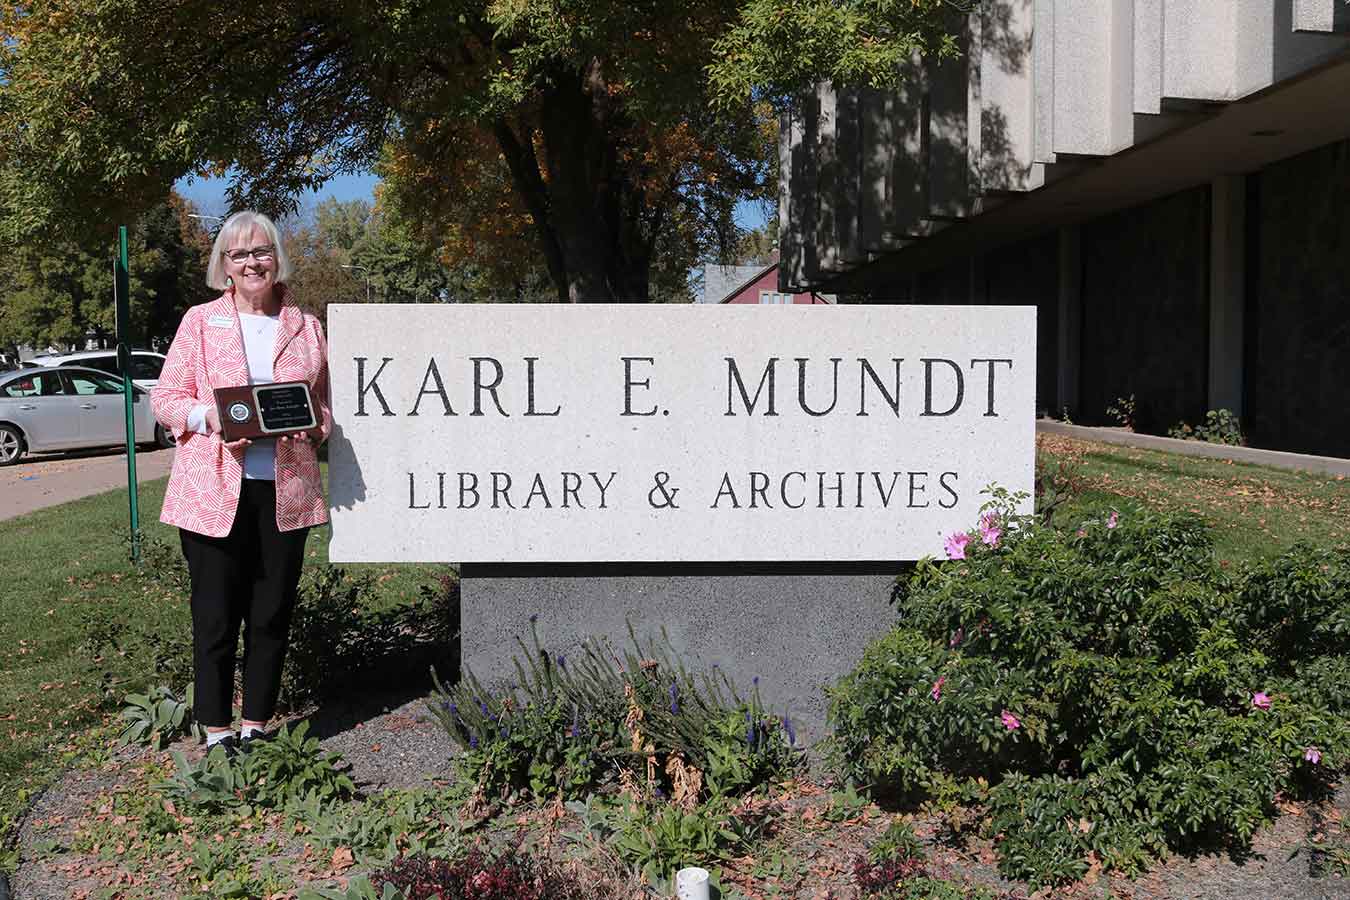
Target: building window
770 297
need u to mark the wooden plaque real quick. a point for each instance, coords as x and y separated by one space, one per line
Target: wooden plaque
264 410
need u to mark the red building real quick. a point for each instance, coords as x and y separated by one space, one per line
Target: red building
752 284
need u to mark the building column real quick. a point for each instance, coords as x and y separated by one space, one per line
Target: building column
1227 290
979 289
1070 337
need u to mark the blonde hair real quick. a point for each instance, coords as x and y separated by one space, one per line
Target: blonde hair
235 225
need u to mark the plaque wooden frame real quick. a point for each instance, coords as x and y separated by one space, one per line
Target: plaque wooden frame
244 410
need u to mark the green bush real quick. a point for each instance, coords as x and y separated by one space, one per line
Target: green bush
657 840
157 717
1120 691
414 822
287 768
566 726
655 837
158 650
1221 426
340 632
898 841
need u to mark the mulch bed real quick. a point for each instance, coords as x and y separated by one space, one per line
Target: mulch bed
391 742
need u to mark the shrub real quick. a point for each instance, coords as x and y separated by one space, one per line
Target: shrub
1058 480
288 767
162 565
1124 410
1221 427
1120 691
656 837
340 632
158 651
566 726
157 717
380 828
898 841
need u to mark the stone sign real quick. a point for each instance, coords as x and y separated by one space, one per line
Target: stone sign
649 433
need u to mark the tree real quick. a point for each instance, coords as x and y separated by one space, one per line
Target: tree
617 125
759 246
338 234
61 294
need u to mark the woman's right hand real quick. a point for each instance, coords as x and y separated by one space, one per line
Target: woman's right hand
213 427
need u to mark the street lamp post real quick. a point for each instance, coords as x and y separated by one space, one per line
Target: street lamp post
367 271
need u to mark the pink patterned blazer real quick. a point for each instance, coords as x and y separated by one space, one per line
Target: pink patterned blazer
208 353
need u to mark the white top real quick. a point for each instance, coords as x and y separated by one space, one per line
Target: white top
260 339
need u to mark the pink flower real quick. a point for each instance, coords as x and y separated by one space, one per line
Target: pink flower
1082 532
1313 755
1261 700
1010 721
989 530
955 545
957 637
936 692
1113 519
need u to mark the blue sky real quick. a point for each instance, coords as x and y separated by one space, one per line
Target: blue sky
208 194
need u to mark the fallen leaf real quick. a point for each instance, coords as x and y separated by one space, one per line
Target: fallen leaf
342 859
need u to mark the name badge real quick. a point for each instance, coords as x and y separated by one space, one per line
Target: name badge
220 322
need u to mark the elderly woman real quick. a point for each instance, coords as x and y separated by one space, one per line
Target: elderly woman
243 508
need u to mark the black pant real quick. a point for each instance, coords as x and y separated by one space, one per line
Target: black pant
250 576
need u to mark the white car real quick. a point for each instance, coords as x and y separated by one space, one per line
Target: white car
145 364
65 408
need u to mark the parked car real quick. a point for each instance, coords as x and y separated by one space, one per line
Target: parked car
65 408
145 364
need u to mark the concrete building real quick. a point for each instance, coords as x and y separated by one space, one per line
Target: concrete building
1165 180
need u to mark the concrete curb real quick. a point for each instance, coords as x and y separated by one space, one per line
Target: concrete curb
1328 465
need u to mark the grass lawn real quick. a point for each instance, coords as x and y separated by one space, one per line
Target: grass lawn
66 571
1254 511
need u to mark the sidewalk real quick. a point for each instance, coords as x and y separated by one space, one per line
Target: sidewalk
43 481
1279 459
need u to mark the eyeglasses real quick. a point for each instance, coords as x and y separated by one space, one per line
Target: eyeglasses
261 254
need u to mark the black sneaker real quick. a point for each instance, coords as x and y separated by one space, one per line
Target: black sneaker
229 744
258 736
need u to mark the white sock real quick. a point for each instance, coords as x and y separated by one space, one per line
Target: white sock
215 737
246 731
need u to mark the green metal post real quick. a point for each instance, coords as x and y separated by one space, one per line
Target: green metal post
122 308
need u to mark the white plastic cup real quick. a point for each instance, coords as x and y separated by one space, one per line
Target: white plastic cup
691 883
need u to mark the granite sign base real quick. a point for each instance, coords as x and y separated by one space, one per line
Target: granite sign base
794 628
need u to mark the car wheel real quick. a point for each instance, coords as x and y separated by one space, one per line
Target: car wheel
162 437
11 445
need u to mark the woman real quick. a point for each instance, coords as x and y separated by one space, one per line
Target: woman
243 508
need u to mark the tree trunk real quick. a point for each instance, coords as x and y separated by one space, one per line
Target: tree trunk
585 195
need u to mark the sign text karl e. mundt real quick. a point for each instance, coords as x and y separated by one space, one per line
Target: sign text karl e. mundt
619 433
